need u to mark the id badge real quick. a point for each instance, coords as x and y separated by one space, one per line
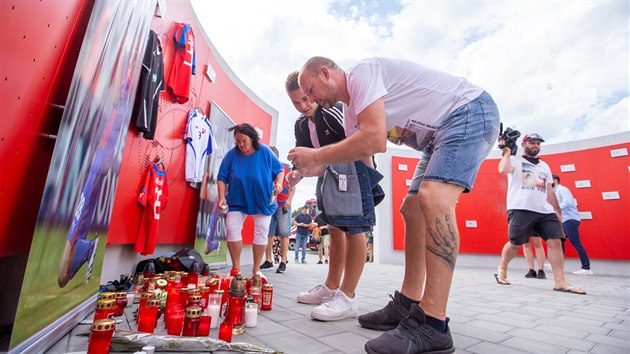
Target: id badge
343 183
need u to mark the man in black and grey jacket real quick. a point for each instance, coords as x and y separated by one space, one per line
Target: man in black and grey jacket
318 126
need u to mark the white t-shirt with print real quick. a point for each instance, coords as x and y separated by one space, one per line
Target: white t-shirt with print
417 98
527 186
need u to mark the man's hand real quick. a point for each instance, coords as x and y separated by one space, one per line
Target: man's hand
293 178
506 150
303 157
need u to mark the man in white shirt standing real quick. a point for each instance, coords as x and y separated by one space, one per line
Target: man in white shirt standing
532 208
454 124
570 223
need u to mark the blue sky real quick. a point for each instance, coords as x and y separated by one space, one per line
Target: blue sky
559 68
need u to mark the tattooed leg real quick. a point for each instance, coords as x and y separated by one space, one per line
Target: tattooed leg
445 239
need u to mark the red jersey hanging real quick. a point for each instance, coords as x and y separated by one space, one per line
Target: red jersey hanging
153 198
184 63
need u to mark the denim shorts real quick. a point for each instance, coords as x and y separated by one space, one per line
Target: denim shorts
280 224
459 145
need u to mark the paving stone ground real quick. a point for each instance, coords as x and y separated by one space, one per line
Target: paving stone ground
525 317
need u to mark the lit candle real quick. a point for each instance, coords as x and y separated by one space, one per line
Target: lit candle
213 310
251 315
225 331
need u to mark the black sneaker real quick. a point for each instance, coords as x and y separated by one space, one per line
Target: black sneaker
541 274
386 318
320 262
281 268
326 262
266 265
531 274
412 335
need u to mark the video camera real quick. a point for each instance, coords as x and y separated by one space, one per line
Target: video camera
510 136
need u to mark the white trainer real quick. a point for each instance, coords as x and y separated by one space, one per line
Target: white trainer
337 307
583 272
315 296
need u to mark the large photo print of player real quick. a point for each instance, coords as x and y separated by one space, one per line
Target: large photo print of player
66 255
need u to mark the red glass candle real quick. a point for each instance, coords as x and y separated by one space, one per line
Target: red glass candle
225 284
225 331
194 301
174 320
236 312
267 297
172 295
101 336
204 326
184 279
146 320
158 304
213 283
191 322
104 309
108 295
183 296
121 303
146 296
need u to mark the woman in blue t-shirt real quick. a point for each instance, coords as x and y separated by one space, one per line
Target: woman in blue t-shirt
249 178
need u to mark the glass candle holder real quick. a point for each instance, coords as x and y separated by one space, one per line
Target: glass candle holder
256 293
205 293
146 319
214 309
183 296
267 297
194 301
101 336
108 295
146 296
213 283
251 314
121 303
172 295
174 320
104 309
204 325
225 331
191 322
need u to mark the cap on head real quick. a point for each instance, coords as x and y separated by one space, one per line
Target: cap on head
532 137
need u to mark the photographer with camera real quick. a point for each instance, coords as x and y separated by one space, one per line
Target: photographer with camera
532 208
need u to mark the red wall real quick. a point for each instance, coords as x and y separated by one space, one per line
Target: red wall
178 220
39 42
604 237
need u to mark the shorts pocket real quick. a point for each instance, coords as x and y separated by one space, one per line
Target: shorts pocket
341 203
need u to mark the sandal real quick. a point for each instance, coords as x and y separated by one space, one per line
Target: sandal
501 281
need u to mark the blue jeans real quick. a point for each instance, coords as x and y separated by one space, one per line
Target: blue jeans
300 240
460 145
573 234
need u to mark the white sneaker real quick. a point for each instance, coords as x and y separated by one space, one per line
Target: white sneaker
548 266
336 307
315 296
583 272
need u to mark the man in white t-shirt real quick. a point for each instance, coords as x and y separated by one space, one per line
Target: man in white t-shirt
454 124
532 208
